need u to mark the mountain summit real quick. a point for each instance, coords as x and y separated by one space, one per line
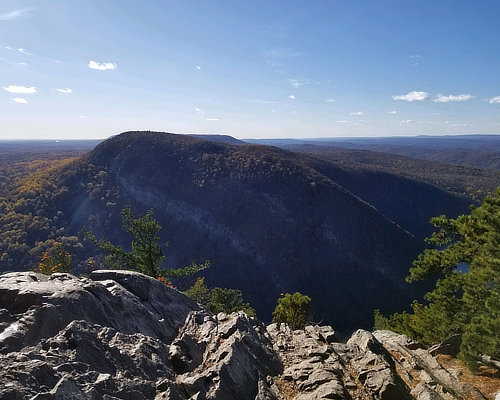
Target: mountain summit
270 221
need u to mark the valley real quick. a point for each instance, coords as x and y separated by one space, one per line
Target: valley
342 226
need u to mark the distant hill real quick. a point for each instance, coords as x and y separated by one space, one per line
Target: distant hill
270 220
463 180
481 151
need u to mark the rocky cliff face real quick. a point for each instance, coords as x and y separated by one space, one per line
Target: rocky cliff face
122 335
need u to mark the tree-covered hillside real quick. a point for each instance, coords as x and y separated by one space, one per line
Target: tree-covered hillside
269 220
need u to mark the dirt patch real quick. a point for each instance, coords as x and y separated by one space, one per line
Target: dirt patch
288 390
486 380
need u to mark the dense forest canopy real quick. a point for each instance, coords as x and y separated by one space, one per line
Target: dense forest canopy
270 220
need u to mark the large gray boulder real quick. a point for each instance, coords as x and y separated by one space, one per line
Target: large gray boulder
123 335
37 306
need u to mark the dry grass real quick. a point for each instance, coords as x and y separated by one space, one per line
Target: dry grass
288 390
486 380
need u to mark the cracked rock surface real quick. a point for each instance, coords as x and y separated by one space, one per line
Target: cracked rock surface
123 335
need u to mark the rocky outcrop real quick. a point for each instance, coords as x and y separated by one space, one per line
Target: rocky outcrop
122 335
381 365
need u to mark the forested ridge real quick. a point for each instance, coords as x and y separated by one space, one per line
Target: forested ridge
268 219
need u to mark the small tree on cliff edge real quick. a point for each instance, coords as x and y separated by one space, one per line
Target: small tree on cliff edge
294 310
146 255
218 299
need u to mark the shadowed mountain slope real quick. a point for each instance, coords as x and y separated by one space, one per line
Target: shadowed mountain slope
269 220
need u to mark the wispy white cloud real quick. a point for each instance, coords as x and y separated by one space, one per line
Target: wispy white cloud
101 66
291 97
199 110
356 113
392 112
343 121
302 81
22 64
412 96
212 119
25 52
20 89
14 14
66 90
329 100
20 100
407 121
494 100
415 57
8 48
295 83
441 98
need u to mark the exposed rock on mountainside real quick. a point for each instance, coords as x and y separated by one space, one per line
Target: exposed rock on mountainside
122 335
269 220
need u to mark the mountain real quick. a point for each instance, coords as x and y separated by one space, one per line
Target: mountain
464 180
269 220
482 151
123 335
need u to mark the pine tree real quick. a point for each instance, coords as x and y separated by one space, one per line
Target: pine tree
294 310
146 255
466 299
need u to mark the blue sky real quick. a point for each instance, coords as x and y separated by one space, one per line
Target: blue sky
250 69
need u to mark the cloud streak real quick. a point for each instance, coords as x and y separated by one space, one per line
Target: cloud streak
20 89
494 100
441 98
14 14
20 100
412 96
25 52
67 90
356 113
102 66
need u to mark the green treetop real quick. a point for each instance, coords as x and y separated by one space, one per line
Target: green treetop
146 255
466 299
294 310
